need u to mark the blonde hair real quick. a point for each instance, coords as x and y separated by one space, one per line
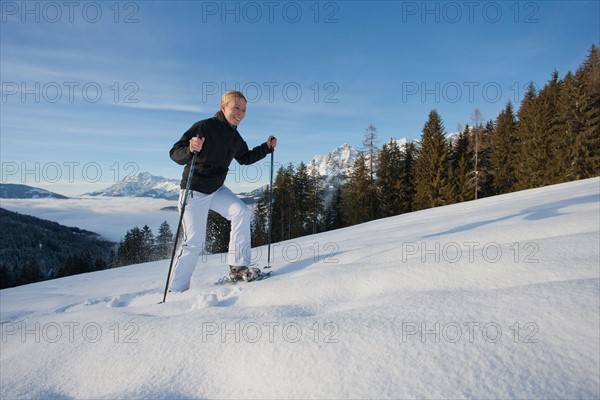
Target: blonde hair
230 96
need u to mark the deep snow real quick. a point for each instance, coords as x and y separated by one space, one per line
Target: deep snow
495 298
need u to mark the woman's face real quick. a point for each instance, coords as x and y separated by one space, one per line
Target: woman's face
235 111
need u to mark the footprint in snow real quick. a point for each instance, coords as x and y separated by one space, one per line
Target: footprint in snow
122 300
137 298
205 300
222 298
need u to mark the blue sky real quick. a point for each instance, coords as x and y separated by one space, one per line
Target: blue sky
93 91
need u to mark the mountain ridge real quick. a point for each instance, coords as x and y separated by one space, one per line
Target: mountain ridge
143 184
18 191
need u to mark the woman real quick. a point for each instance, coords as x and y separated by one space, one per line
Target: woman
217 142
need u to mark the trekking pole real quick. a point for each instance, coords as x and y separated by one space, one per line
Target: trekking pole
270 213
185 196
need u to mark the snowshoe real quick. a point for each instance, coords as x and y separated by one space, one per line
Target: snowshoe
243 273
237 273
252 274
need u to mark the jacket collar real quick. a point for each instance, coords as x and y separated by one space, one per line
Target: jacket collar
221 117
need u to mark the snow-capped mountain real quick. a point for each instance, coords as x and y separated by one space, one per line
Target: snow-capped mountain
15 191
333 168
143 184
402 143
338 162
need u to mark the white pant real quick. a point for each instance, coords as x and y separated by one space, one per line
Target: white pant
227 204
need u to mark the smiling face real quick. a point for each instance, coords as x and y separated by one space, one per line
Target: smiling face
234 110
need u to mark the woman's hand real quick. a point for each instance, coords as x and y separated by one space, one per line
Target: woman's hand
196 144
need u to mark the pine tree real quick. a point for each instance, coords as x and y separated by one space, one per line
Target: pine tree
148 245
113 259
7 279
370 145
297 203
572 155
131 248
283 203
477 133
484 180
333 213
314 203
30 272
17 276
70 266
100 264
389 179
80 263
551 135
164 242
540 133
407 180
356 197
586 148
501 145
259 226
527 171
301 190
462 173
432 186
217 233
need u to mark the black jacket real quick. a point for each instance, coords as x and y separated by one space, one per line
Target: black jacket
223 144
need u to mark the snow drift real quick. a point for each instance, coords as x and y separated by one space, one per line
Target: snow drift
495 298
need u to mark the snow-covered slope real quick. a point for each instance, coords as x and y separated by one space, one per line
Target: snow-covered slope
143 184
496 298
